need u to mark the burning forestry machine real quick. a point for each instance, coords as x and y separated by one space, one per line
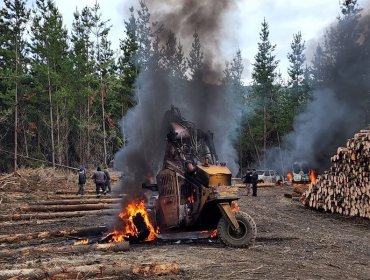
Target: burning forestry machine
194 190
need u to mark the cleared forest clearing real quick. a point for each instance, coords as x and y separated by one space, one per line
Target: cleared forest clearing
293 242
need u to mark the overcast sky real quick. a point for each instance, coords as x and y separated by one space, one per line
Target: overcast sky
285 17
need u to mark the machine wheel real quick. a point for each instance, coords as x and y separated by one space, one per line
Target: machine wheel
242 238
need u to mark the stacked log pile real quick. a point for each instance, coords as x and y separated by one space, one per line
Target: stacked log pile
345 187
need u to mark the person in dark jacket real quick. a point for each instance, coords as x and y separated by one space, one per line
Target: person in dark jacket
247 180
254 182
107 181
81 181
99 178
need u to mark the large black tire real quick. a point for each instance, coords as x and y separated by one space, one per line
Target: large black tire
246 235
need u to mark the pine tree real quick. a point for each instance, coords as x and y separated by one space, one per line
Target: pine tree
179 62
49 62
128 64
233 76
83 66
14 17
264 75
299 80
81 44
144 36
127 72
318 68
173 60
169 50
237 68
195 60
296 59
232 81
103 56
349 9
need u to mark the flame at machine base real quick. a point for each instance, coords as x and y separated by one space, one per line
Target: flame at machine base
136 224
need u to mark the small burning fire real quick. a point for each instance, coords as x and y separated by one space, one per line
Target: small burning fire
190 199
313 176
234 206
214 233
81 242
137 224
289 177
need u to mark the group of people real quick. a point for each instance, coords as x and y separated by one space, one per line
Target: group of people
250 179
101 179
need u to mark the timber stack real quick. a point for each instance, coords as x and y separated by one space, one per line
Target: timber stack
345 187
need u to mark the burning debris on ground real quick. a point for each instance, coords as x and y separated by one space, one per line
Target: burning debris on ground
134 225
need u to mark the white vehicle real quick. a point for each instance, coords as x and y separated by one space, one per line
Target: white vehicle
301 173
268 176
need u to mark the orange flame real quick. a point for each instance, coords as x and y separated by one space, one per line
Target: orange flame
313 176
190 199
313 179
214 233
134 208
81 242
289 177
234 206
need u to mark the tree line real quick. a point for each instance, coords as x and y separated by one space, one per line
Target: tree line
63 93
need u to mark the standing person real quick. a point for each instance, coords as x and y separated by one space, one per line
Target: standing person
254 182
107 181
81 181
248 180
99 178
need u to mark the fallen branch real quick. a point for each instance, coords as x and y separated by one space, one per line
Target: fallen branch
44 216
6 176
243 270
156 269
68 272
64 208
88 196
82 232
77 201
266 185
73 192
69 249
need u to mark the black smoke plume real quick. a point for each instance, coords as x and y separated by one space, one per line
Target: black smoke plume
208 106
207 18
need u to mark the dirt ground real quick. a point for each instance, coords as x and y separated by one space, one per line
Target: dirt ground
293 243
